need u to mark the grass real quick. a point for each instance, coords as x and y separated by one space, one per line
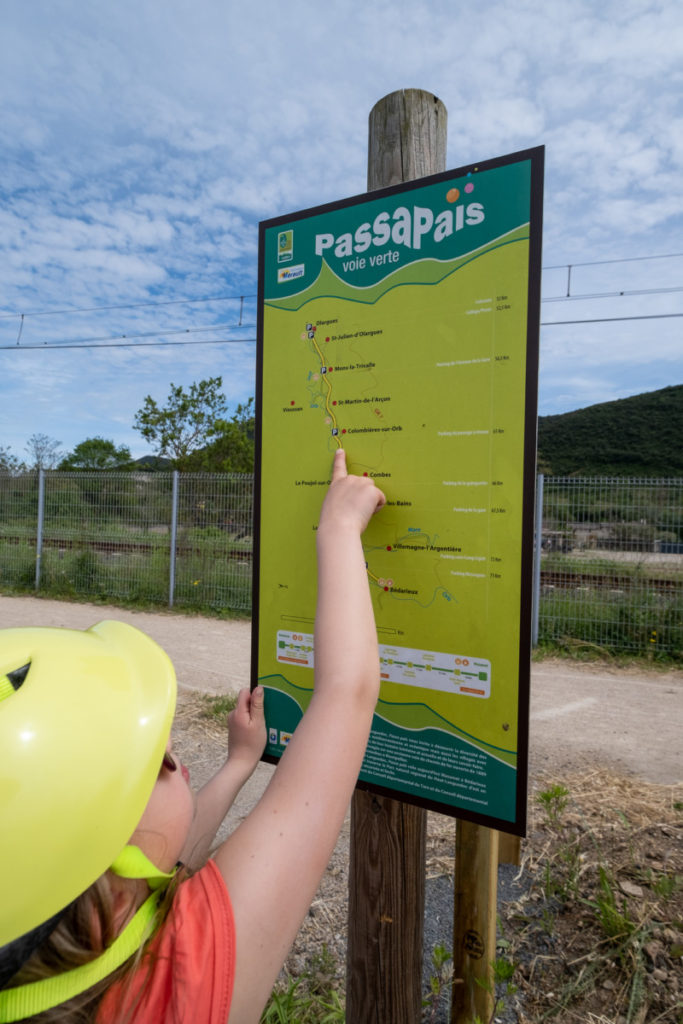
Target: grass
310 998
211 583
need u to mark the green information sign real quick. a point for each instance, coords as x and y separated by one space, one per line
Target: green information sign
402 325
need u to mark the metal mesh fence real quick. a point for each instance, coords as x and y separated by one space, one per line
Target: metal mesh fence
110 536
612 563
18 522
611 567
106 536
214 543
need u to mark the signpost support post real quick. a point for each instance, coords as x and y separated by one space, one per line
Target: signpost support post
474 922
407 139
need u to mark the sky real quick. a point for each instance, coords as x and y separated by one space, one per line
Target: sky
142 142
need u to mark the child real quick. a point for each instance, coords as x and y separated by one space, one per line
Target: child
90 822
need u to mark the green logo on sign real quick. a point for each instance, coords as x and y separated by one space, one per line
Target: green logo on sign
285 246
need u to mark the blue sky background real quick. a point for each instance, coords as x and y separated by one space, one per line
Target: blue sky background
143 141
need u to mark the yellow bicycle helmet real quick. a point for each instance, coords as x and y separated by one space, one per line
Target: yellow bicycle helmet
84 722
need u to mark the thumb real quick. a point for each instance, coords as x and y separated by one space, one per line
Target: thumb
256 704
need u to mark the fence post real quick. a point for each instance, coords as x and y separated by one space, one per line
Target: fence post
174 534
538 544
407 139
39 531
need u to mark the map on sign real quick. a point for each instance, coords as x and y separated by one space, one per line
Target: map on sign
398 327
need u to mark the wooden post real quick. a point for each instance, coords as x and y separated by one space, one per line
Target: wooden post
474 922
407 139
509 849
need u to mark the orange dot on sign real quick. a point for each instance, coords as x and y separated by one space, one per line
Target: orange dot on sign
453 195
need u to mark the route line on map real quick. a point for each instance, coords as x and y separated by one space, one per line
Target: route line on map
325 377
384 584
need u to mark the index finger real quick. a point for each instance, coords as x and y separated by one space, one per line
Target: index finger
339 470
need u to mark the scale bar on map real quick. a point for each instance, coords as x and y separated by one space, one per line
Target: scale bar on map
428 670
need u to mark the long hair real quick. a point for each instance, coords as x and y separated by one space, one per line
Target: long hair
71 945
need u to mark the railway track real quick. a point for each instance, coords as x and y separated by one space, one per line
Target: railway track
607 581
118 547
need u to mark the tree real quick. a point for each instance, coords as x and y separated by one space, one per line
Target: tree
186 423
9 463
232 450
44 451
97 453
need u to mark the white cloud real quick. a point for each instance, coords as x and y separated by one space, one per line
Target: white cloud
143 141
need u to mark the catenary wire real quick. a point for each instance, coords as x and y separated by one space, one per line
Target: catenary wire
44 346
243 298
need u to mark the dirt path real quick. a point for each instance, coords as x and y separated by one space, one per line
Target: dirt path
581 715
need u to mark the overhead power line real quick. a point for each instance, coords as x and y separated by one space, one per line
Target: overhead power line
128 344
610 319
137 339
72 342
244 298
129 305
622 259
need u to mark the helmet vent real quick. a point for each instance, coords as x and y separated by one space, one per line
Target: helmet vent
18 676
11 682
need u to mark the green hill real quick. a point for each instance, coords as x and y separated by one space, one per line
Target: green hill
637 436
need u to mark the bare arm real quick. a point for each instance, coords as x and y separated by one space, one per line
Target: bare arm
273 862
246 740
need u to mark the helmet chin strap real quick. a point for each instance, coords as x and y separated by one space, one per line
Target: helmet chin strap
26 1000
132 863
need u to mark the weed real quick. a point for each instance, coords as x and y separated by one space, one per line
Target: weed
296 1003
309 999
666 885
440 978
554 802
614 920
503 970
219 707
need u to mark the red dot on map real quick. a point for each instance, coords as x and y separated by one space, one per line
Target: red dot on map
327 339
343 431
330 369
292 403
388 547
334 403
386 588
365 474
